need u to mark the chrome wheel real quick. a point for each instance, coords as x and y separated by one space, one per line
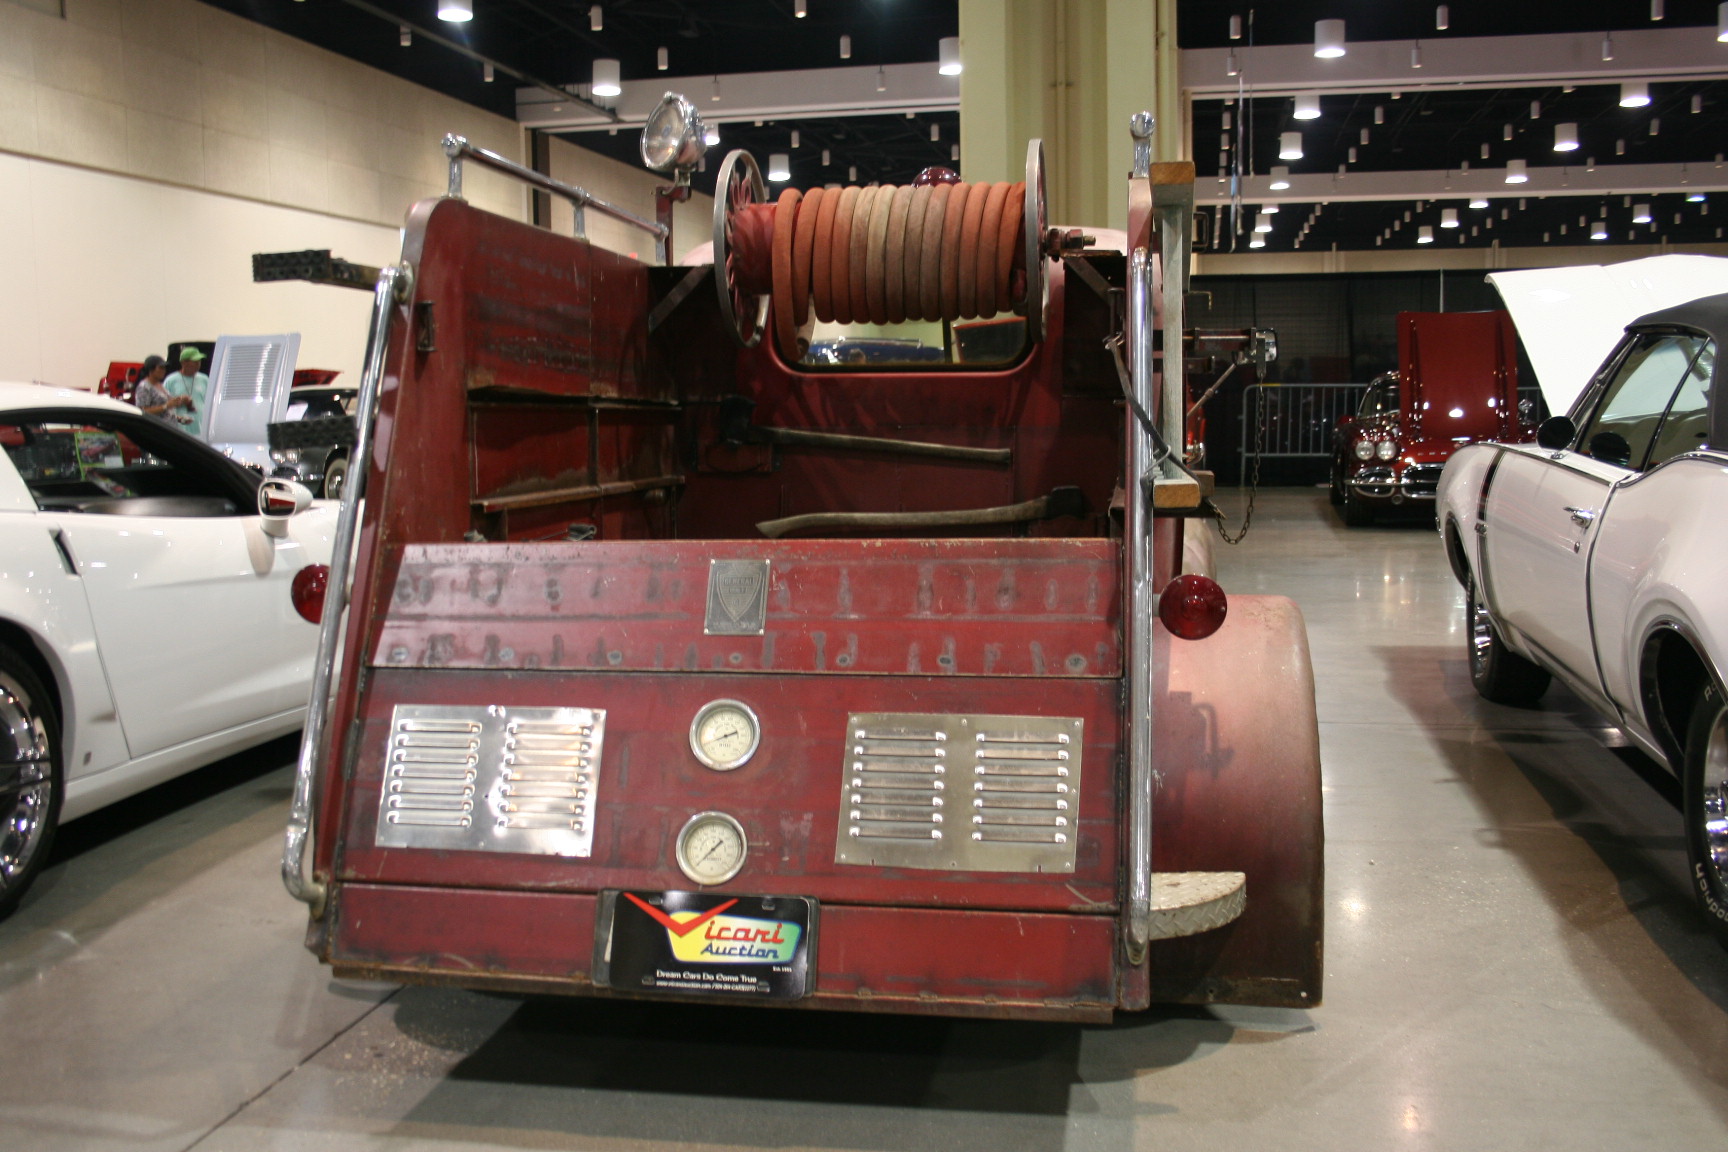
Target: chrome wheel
1481 635
1713 799
29 785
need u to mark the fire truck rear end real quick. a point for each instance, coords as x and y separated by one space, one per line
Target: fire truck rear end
694 647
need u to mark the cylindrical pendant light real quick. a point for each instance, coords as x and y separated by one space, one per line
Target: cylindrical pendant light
948 55
1262 222
1307 106
1328 39
606 77
1290 146
1442 18
1722 22
845 47
662 59
1478 202
1640 213
1634 94
1565 137
1448 217
1515 172
1599 230
779 166
456 11
1280 177
1268 209
1425 235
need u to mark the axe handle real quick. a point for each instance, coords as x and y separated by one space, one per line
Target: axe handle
817 521
800 438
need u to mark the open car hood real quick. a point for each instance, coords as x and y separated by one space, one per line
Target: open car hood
1571 318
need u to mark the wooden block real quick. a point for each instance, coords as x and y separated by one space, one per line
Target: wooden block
1173 172
1180 492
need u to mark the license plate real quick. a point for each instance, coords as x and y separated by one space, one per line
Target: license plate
705 944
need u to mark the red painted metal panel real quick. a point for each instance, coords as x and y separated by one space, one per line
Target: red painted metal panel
787 797
896 959
521 448
1459 375
910 607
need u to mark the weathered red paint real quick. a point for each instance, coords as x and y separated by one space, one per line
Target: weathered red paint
919 607
1005 964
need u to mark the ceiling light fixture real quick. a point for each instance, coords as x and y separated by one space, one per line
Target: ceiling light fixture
935 132
1565 137
1641 214
794 137
1697 103
1722 22
779 167
954 153
881 78
1290 146
1607 45
1362 137
845 47
800 9
606 77
1235 27
1352 159
1506 132
404 35
1257 242
596 19
1655 125
1599 230
948 56
1425 235
1262 222
1442 18
1478 202
852 174
827 157
1379 113
456 11
1416 57
1307 106
1230 66
1328 39
1268 209
1695 198
1657 10
1484 151
486 72
1515 172
662 59
1448 217
1634 94
1280 177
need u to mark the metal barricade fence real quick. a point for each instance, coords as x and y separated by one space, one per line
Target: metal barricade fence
1293 421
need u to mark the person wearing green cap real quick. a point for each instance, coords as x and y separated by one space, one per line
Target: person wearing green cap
189 381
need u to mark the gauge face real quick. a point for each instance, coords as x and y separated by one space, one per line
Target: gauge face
711 848
724 734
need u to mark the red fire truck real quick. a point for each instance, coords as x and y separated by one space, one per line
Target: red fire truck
797 628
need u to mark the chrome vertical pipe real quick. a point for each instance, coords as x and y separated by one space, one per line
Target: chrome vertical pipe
1137 559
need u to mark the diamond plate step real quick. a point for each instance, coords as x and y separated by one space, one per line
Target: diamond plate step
1187 903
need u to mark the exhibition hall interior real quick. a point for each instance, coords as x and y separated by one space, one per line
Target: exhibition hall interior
863 574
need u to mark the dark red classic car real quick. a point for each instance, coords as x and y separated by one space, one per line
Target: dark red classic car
1457 383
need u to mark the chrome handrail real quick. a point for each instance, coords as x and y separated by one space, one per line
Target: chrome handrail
1137 562
457 148
393 286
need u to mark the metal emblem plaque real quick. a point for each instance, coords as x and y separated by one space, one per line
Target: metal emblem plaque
962 793
737 598
492 779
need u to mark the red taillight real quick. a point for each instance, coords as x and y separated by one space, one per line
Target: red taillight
1192 607
307 591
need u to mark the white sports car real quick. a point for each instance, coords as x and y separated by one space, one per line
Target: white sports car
151 620
1597 555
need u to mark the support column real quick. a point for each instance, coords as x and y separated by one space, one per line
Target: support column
1070 72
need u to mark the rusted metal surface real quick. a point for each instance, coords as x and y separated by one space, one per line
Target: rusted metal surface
784 797
1002 964
1039 608
1237 751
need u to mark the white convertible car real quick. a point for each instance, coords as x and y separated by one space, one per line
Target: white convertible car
151 620
1598 555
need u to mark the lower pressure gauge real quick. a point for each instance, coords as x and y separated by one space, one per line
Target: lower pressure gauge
724 734
711 848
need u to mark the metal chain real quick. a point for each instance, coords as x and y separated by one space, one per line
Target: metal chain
1254 480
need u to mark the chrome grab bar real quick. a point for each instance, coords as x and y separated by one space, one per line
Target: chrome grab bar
458 149
1137 561
394 285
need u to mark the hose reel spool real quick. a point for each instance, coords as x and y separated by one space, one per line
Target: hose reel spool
882 254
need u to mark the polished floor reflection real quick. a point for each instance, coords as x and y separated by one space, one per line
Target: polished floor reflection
1512 962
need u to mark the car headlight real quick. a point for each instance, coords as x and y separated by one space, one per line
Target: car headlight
1364 449
285 455
1386 450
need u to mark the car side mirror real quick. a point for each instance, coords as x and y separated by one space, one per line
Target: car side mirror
279 501
1611 448
1557 432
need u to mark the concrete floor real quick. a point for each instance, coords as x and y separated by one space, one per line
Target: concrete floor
1512 962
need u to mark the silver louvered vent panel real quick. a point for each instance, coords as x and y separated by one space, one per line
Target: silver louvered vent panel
248 371
492 779
964 793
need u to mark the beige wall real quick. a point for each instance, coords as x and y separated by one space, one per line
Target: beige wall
132 200
631 189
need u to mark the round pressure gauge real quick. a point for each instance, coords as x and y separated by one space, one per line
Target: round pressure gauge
724 734
711 848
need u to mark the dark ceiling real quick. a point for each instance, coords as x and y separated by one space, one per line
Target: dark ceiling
552 42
